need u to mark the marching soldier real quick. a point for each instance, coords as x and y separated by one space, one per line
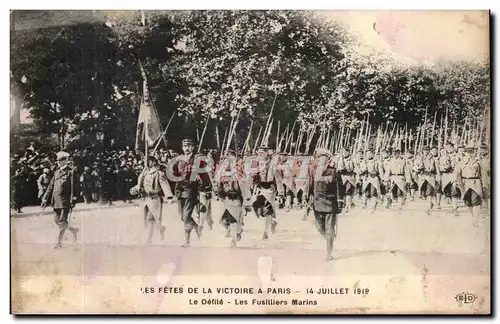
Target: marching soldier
371 169
267 183
228 190
429 176
60 194
411 184
187 190
205 193
328 197
358 160
468 177
152 184
385 185
486 174
447 164
398 175
346 169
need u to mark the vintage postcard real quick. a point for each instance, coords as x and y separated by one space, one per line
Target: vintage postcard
250 162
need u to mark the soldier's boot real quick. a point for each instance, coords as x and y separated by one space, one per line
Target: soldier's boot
329 246
295 203
60 237
402 200
228 231
210 221
234 234
454 202
162 230
348 203
476 215
438 200
365 201
187 238
288 203
374 205
412 194
388 201
74 231
431 205
150 230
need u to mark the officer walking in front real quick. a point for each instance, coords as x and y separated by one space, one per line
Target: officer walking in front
327 194
60 194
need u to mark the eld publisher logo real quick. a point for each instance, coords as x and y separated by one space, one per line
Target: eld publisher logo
465 298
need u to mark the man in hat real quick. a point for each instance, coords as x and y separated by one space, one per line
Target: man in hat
228 180
469 179
267 183
346 169
386 184
429 177
327 195
153 185
60 194
398 175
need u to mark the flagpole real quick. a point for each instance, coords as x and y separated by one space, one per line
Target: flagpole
145 143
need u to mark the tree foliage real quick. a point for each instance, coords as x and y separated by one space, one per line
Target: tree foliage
84 79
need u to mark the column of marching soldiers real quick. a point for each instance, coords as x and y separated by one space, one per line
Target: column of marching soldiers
324 184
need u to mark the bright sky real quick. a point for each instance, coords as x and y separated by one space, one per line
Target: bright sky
421 36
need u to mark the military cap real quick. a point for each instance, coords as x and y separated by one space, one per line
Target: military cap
231 152
397 150
61 155
187 141
426 148
264 147
469 149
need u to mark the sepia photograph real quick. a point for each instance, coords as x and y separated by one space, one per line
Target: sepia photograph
251 162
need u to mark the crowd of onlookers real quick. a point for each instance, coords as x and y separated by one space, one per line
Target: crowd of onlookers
102 177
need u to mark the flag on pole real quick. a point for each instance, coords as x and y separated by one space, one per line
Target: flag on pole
148 127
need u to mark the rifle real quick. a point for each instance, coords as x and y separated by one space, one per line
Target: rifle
202 134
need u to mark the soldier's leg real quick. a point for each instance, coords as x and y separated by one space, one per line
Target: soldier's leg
438 196
319 223
431 193
289 199
388 195
400 196
455 197
62 222
330 233
150 226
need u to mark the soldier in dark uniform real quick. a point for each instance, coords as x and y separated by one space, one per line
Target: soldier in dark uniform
17 182
228 189
152 184
327 194
60 194
187 190
267 182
